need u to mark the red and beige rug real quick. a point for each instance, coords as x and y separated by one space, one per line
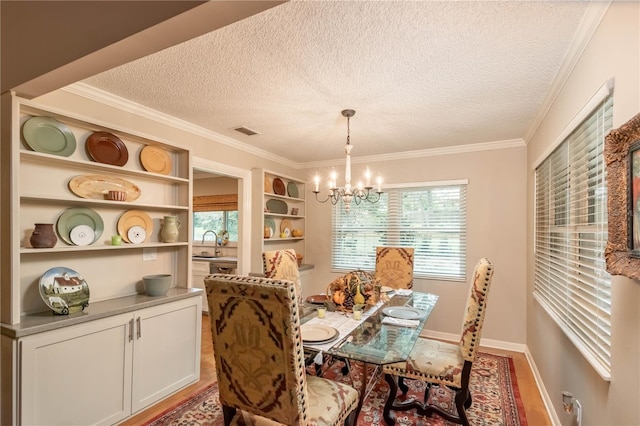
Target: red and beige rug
496 400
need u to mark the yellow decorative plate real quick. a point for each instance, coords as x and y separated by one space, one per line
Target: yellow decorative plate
132 218
156 160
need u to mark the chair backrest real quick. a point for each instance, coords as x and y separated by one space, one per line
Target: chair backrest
258 350
476 309
282 265
394 266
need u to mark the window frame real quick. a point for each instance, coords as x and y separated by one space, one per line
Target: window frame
366 261
570 279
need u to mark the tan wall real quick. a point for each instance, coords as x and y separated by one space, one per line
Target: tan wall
614 52
220 185
496 209
496 213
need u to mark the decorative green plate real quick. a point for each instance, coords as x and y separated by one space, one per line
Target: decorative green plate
269 222
78 216
45 134
292 190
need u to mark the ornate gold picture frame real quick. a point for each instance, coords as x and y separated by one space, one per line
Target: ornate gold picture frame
622 159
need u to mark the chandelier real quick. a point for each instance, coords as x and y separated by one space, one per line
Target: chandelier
348 193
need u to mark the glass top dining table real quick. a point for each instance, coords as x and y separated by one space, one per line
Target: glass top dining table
369 339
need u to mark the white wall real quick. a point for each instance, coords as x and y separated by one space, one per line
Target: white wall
614 52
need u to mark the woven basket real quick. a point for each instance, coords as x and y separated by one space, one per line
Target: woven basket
343 291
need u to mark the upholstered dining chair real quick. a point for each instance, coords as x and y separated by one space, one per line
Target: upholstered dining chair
283 265
394 266
440 363
255 327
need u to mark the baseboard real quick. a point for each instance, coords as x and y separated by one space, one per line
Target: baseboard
507 346
546 398
487 343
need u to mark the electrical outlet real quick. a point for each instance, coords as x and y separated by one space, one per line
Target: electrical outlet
149 254
578 411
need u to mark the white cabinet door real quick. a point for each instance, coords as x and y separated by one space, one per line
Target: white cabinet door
200 270
77 375
166 350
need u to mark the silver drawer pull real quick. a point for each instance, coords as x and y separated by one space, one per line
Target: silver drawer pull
139 328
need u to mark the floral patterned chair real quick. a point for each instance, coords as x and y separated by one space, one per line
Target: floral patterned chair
255 327
394 266
447 364
283 265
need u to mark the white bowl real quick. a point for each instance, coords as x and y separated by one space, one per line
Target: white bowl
156 285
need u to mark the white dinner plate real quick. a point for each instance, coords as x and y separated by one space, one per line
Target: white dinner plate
403 312
385 289
82 235
316 333
137 234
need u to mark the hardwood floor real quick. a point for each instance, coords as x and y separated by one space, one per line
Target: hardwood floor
533 405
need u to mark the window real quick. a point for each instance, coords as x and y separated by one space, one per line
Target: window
571 281
215 221
432 219
215 213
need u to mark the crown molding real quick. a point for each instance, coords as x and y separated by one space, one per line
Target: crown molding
432 152
590 22
109 99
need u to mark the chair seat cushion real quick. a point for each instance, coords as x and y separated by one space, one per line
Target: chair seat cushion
432 361
329 404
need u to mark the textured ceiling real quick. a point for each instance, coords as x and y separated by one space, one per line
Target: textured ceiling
419 74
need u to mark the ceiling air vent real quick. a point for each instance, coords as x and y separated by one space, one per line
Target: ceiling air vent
245 130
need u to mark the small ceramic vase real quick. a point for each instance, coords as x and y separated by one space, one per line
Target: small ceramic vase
169 232
43 236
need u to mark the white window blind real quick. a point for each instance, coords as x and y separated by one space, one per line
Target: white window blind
431 219
571 281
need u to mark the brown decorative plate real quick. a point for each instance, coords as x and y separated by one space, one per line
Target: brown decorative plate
278 186
156 160
106 148
317 299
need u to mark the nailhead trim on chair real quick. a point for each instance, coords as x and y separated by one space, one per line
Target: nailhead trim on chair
445 363
274 304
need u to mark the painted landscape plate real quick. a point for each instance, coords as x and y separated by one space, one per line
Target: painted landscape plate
316 333
107 148
76 216
156 160
48 135
403 312
97 186
132 218
64 290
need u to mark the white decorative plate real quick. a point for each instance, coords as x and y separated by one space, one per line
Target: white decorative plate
82 235
317 333
403 312
137 234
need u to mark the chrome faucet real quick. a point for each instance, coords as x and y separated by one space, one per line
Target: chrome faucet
217 249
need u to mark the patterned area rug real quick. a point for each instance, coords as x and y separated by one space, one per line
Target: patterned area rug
496 399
